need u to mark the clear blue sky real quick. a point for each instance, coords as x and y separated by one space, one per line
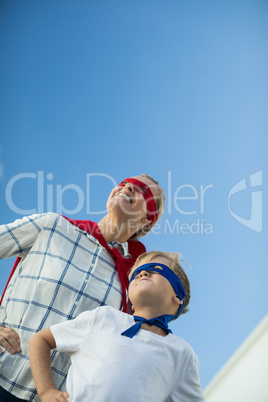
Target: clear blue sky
96 91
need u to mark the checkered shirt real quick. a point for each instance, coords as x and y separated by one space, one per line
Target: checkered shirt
63 272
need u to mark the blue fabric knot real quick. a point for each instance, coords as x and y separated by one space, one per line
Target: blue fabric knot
161 322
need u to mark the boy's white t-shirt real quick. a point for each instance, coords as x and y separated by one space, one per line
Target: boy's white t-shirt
107 366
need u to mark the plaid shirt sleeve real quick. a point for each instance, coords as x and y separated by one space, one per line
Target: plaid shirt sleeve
17 238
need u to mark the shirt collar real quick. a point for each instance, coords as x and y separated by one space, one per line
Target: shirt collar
122 247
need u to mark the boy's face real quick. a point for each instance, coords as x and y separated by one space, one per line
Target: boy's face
153 290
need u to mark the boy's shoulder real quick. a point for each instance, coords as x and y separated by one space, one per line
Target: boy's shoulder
185 349
180 341
108 318
107 311
110 311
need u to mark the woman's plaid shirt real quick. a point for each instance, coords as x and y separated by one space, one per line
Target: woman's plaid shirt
63 272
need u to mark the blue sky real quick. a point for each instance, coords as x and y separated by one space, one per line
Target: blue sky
96 91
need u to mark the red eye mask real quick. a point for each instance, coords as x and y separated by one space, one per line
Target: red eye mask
145 191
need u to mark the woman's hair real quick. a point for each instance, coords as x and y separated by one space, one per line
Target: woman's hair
160 206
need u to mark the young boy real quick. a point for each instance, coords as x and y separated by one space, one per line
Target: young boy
117 357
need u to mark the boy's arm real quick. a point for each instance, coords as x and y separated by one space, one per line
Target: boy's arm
188 387
40 346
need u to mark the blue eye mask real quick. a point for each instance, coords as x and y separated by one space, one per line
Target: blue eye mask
163 320
168 274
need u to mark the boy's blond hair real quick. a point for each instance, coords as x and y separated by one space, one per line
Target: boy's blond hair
176 268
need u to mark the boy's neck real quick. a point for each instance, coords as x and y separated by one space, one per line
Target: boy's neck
148 314
154 329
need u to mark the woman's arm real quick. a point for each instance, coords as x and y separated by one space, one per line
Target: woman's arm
40 346
17 238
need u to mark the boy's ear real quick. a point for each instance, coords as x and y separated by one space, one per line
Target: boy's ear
133 308
177 300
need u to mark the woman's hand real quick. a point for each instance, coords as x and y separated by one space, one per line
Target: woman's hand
9 339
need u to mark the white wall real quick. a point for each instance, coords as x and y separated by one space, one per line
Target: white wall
244 378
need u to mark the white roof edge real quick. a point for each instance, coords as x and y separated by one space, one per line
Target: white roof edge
256 333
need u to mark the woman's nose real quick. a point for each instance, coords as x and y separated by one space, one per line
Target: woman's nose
130 186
